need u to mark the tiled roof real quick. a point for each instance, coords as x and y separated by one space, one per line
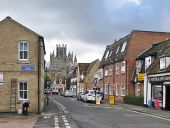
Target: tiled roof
157 50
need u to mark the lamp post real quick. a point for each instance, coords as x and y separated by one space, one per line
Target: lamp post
108 90
95 83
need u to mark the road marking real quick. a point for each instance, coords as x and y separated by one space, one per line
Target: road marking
60 105
149 115
56 124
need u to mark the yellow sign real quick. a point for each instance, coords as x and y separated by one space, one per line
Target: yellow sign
111 100
140 76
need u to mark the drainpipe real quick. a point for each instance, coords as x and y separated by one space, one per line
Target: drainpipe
103 81
39 72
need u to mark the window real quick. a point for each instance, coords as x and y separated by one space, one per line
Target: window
123 67
117 50
110 53
117 68
123 90
117 90
162 63
147 62
105 91
23 50
106 55
138 89
106 71
123 47
110 71
23 91
157 92
138 66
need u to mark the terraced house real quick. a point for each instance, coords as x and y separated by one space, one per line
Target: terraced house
21 67
119 60
155 64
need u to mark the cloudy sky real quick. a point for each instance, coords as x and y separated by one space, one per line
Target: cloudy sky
87 26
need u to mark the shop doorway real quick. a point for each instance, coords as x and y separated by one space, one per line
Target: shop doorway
168 98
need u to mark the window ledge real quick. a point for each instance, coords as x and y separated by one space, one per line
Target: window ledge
23 61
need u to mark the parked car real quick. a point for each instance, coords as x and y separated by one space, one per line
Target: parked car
54 90
89 96
80 95
68 93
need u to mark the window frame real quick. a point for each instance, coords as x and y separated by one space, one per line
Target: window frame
23 50
117 90
162 64
23 90
117 69
123 46
123 89
2 78
123 68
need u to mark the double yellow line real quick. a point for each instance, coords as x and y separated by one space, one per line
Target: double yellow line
61 107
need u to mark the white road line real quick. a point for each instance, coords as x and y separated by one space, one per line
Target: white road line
68 127
56 124
150 115
66 124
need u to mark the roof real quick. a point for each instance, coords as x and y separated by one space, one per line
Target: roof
114 52
41 38
157 51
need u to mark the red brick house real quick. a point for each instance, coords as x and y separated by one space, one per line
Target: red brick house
119 60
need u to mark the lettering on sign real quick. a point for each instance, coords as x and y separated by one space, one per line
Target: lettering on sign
159 78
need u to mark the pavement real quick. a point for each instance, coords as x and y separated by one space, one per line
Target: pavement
14 120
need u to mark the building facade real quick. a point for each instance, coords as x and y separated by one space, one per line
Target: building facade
121 57
156 65
22 67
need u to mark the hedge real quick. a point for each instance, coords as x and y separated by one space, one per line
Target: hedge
135 100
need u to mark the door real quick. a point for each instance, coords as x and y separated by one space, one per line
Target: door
167 98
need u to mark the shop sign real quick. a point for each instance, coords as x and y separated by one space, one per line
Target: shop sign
27 68
159 78
140 76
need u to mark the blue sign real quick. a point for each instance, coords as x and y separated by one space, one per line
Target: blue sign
27 68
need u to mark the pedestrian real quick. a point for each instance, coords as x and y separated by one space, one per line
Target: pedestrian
150 105
156 104
25 105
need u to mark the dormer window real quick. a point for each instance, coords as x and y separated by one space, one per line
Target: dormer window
162 63
123 47
117 50
106 55
138 66
148 61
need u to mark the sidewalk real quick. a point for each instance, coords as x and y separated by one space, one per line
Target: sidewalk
8 120
142 109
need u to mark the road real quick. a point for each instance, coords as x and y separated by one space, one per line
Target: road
71 113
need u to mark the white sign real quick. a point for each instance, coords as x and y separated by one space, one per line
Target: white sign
1 78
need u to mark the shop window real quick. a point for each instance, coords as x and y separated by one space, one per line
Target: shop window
23 91
157 92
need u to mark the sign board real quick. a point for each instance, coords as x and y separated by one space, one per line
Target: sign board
111 100
1 78
27 68
140 76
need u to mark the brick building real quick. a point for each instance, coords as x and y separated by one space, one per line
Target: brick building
119 60
22 67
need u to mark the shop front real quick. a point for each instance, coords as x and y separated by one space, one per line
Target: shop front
158 87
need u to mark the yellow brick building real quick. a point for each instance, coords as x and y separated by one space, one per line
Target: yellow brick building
21 67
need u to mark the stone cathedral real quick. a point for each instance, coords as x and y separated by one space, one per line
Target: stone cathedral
61 64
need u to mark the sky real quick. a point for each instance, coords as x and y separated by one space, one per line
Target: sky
87 26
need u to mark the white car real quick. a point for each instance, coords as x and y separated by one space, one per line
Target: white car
90 96
68 93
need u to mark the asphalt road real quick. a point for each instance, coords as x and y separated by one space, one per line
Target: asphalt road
86 115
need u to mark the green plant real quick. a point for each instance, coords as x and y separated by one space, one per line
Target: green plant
135 100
